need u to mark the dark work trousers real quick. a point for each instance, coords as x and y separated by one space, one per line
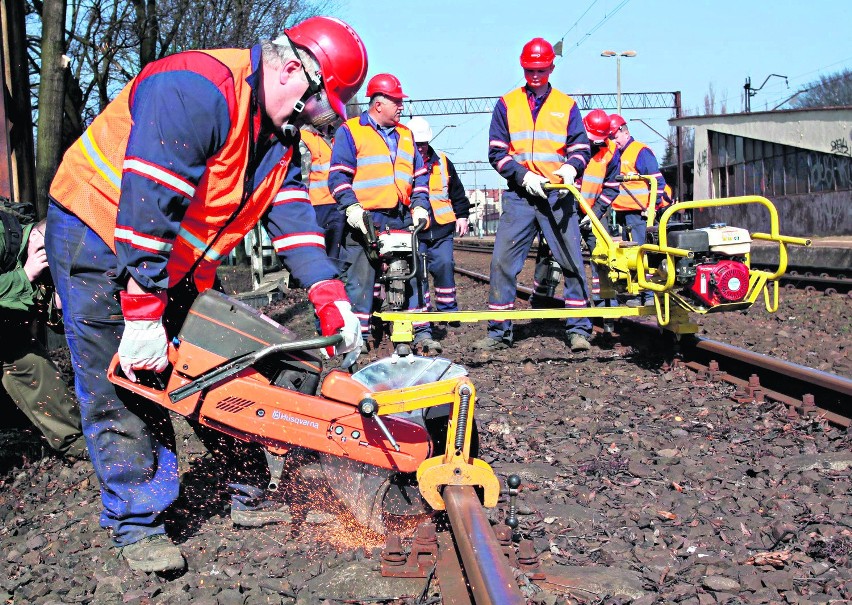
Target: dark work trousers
601 212
441 267
635 229
130 439
359 274
522 219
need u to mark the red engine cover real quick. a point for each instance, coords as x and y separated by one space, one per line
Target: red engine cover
722 282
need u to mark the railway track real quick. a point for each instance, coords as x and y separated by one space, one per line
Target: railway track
757 377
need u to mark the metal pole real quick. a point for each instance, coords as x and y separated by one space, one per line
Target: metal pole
618 83
679 133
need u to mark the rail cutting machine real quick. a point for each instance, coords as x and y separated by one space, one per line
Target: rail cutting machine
387 438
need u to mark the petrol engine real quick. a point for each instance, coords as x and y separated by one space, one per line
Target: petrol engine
717 273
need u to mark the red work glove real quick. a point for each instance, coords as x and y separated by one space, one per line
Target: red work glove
335 315
144 344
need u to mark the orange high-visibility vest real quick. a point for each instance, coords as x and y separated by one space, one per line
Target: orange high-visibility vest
379 183
539 146
439 191
639 189
320 164
595 173
88 182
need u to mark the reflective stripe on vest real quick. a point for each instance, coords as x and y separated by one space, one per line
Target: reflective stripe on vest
378 183
320 164
439 191
88 180
595 173
639 189
539 146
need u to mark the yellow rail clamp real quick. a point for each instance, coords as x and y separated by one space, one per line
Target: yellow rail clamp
456 466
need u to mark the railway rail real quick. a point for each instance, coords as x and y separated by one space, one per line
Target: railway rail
757 377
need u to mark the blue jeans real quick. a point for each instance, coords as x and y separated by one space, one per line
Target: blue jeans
522 219
635 229
130 439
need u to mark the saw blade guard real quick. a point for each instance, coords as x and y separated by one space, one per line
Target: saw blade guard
374 495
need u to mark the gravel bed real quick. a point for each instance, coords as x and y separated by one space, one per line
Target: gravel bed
639 484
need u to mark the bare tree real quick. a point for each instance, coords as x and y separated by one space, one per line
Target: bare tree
834 90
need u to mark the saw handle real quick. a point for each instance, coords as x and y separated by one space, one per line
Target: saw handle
150 385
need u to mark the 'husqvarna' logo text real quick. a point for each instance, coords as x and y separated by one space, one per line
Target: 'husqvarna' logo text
278 415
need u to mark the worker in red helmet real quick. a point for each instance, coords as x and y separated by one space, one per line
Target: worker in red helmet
376 174
167 180
599 186
632 202
537 137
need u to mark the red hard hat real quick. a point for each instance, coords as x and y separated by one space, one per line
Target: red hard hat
385 84
616 122
537 54
340 53
597 125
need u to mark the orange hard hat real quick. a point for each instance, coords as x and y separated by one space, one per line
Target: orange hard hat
340 53
537 54
385 84
616 122
597 125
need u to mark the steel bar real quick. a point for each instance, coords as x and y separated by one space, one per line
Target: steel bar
450 576
488 573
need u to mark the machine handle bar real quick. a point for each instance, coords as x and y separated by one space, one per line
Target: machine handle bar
234 366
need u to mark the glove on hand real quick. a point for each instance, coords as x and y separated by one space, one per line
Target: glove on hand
335 315
419 214
568 174
355 217
533 184
462 226
144 344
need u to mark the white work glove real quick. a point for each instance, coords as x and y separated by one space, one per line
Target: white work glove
533 184
355 217
418 214
568 174
462 226
335 315
586 222
144 344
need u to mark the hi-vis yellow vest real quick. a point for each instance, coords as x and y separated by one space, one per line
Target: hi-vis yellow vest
439 191
639 189
539 146
320 164
595 173
88 182
379 183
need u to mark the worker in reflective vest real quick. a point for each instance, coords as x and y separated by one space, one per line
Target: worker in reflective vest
631 204
537 137
599 186
316 161
375 168
195 150
451 209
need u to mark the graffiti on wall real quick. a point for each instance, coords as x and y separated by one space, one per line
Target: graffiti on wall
840 146
829 172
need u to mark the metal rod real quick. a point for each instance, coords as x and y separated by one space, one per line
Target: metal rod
486 567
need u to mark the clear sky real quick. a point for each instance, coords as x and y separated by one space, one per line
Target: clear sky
470 48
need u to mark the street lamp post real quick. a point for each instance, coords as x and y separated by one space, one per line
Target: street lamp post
624 53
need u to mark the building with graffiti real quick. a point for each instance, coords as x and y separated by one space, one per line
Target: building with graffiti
801 159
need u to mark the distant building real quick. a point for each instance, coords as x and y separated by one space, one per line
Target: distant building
801 159
485 208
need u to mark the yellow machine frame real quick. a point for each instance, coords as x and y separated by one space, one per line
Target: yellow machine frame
623 267
455 466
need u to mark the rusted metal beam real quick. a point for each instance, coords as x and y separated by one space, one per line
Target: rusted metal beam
485 565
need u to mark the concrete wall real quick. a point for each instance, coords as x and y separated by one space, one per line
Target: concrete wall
812 215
